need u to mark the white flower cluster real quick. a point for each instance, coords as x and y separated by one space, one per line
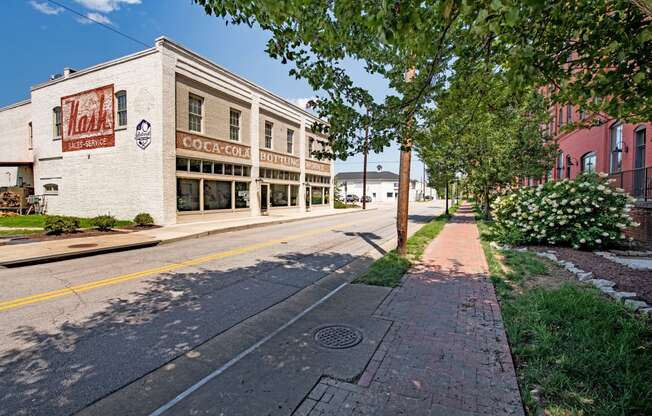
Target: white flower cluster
586 212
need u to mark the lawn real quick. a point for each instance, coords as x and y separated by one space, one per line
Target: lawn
580 352
22 221
389 269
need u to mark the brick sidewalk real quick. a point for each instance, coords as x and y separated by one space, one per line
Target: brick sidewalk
446 352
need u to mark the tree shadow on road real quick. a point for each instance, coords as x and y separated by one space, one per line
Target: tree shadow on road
60 373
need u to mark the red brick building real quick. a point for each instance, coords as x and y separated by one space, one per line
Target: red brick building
612 147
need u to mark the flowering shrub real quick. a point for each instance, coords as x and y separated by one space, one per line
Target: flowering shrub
583 213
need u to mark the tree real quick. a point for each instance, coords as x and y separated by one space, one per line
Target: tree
488 130
391 39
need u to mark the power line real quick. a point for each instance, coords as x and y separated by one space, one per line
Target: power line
63 6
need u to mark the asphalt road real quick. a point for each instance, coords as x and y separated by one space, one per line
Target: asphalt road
74 331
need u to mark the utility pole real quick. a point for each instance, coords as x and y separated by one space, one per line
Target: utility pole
446 196
364 169
404 186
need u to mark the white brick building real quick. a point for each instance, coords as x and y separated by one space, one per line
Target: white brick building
381 186
212 143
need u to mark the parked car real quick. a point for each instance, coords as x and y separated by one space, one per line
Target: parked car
427 198
367 198
352 198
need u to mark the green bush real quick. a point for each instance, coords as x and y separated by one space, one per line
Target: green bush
104 222
143 219
584 213
57 224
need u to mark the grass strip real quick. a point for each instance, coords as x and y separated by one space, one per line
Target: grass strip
580 352
37 220
389 269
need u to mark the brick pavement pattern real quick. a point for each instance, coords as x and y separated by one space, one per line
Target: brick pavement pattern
446 352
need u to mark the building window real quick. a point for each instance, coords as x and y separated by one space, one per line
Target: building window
268 134
588 162
51 189
390 194
217 195
560 121
569 113
317 195
569 163
57 121
560 165
187 194
234 125
122 107
582 114
30 136
290 141
195 104
242 194
639 153
279 195
311 145
616 161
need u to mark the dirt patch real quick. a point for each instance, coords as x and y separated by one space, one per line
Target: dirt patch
626 279
554 279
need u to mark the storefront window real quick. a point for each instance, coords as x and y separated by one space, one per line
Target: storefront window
237 170
294 195
195 165
279 195
187 194
242 194
217 195
228 169
317 193
218 169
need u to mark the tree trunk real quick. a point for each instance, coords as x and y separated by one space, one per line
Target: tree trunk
487 206
446 196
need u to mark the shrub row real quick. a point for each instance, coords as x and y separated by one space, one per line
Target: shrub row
57 224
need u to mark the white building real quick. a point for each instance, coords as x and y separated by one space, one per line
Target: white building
167 132
381 186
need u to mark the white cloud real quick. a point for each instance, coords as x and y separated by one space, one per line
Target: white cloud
302 102
46 8
105 6
100 18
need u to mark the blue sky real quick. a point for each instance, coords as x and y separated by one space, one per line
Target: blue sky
42 38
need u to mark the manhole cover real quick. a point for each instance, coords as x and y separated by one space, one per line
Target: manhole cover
85 245
338 336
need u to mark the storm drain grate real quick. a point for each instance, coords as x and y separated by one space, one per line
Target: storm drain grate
338 336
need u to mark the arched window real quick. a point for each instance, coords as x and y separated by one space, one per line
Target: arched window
589 161
121 97
51 189
56 121
569 163
616 148
560 165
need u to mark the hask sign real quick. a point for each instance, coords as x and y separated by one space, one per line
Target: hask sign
88 119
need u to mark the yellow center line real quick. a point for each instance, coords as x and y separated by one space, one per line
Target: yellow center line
67 291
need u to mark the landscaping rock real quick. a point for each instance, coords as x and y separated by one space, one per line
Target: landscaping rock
584 276
646 312
636 304
607 290
624 295
602 282
546 255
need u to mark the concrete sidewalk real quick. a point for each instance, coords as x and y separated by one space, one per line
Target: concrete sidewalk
446 352
13 255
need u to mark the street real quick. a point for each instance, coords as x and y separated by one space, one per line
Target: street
75 331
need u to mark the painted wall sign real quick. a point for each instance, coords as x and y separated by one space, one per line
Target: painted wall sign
143 134
87 119
279 159
218 147
318 167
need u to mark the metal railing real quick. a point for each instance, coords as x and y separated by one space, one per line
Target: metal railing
636 182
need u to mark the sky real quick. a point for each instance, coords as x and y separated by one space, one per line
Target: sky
42 38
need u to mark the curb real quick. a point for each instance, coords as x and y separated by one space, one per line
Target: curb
132 246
